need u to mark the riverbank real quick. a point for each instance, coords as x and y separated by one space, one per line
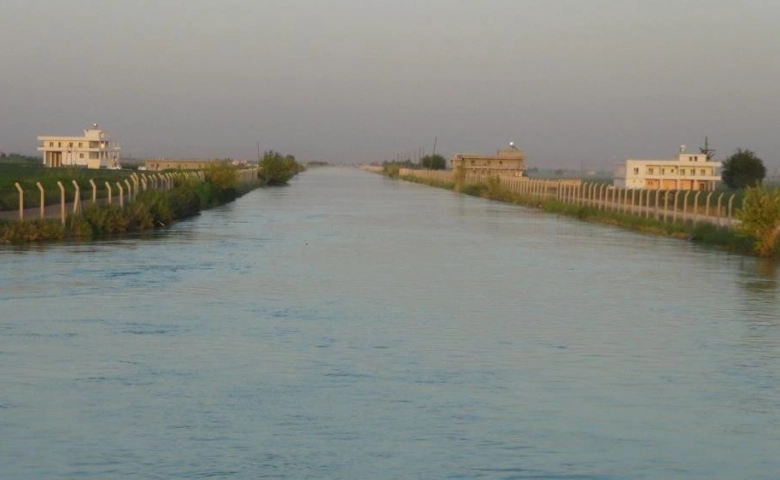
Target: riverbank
149 209
703 233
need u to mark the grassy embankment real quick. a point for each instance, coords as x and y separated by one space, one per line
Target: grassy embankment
703 233
28 174
150 209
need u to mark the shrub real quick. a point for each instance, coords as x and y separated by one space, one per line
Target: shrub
221 174
760 217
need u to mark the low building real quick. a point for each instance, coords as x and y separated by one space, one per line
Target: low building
510 161
158 164
93 150
689 171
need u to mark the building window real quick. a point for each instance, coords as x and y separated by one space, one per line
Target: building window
682 171
93 155
703 171
59 144
80 144
663 171
81 155
650 171
51 144
636 170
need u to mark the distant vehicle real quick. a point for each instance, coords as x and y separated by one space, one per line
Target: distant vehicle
141 168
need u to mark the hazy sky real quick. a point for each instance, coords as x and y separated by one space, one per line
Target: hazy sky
569 81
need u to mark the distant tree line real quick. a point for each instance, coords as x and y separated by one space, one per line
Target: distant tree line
428 162
19 158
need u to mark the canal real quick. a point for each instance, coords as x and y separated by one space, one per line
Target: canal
354 327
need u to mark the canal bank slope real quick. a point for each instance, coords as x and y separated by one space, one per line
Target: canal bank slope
599 205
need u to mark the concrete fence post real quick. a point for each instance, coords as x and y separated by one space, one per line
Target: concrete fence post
108 187
581 191
121 195
611 194
666 206
593 190
731 211
597 196
633 200
696 207
647 203
43 199
720 199
685 206
76 197
62 202
707 207
640 204
674 212
94 191
21 200
130 195
628 192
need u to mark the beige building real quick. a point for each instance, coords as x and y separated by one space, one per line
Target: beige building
510 161
689 171
93 150
157 164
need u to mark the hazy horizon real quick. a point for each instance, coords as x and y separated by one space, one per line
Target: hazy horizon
572 83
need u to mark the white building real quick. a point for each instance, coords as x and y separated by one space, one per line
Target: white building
94 150
689 171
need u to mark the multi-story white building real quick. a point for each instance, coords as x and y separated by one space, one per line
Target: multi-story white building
689 171
94 150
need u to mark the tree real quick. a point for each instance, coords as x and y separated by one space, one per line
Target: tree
743 169
277 169
433 162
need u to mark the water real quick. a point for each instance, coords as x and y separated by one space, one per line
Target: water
352 327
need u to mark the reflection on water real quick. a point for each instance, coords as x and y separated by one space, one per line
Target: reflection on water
355 327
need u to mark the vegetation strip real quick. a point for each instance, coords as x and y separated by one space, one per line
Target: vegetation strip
759 233
150 208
